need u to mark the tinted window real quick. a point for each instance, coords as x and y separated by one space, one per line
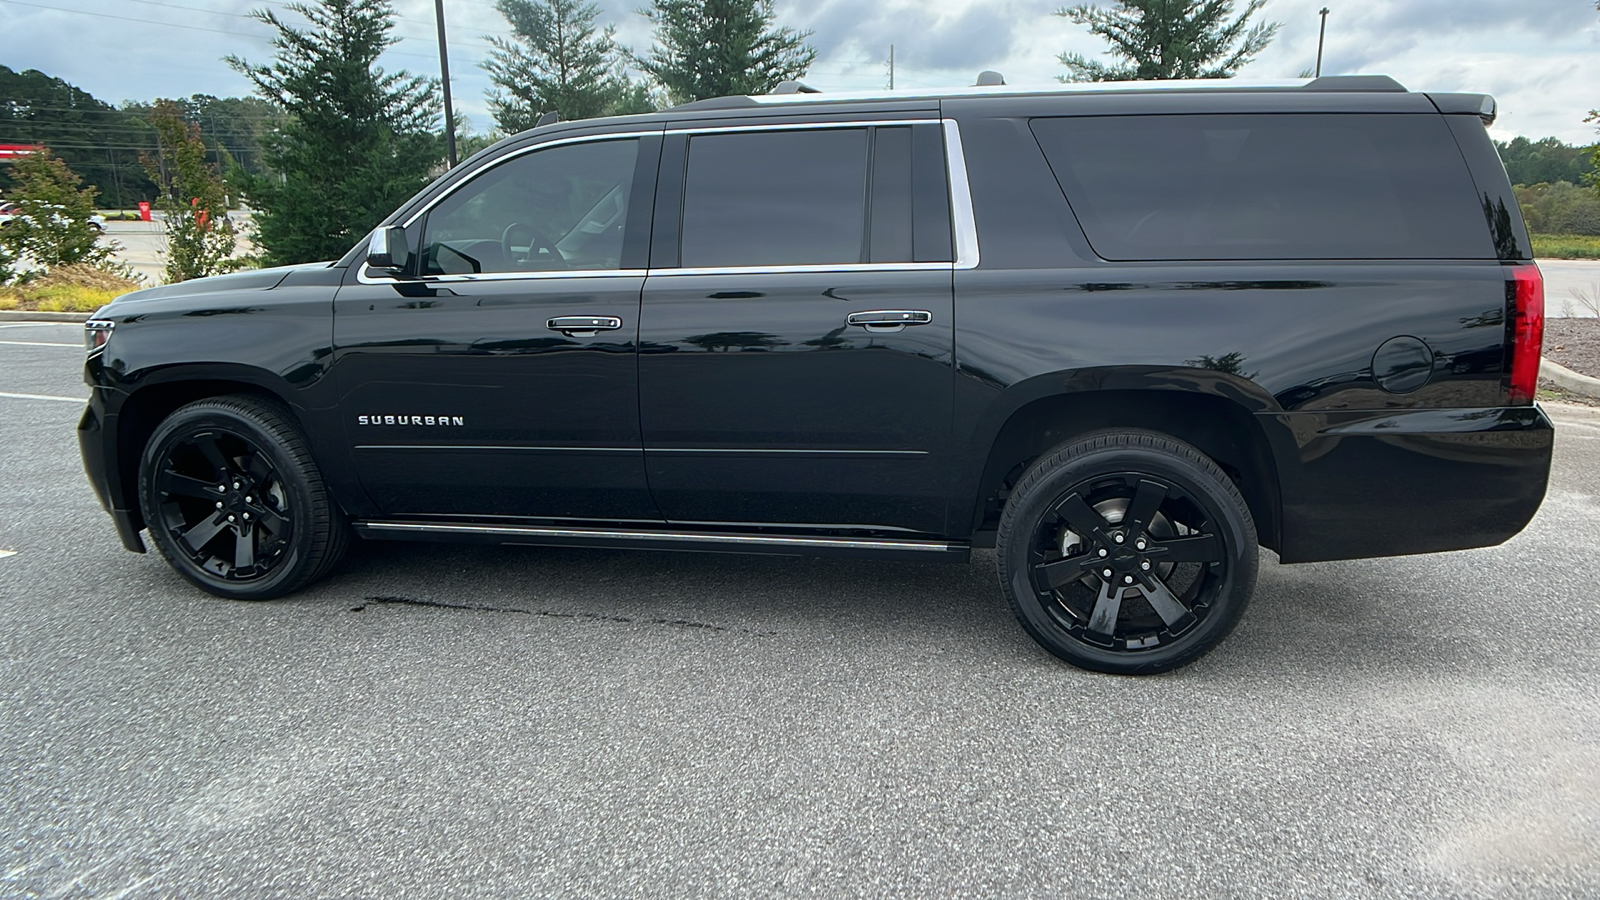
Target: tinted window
556 209
775 198
1267 186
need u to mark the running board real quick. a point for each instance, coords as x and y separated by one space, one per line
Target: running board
693 541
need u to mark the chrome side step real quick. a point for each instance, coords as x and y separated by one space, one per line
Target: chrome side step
723 542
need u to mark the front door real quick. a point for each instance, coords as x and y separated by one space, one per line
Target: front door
796 332
496 376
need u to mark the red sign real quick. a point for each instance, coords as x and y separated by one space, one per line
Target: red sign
17 151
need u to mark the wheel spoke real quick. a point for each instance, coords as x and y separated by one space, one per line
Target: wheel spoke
271 519
1103 620
1056 573
1081 516
184 485
207 444
258 468
1169 608
1147 499
244 548
203 531
1199 548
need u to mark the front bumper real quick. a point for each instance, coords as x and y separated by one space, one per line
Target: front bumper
97 443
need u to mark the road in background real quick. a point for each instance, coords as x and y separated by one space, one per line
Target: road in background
144 245
447 720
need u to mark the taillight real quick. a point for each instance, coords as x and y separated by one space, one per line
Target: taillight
1525 294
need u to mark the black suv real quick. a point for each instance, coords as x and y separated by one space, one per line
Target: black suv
1123 334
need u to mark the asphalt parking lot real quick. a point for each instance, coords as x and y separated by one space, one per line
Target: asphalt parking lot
465 721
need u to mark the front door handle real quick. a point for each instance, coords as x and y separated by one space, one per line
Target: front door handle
881 320
583 326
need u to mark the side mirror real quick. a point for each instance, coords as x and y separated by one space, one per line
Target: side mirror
387 248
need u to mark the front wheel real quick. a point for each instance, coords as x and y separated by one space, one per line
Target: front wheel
1127 552
234 501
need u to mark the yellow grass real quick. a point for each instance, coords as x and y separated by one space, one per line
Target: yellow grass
68 289
1566 246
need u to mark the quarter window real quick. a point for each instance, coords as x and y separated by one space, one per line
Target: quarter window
549 210
1220 187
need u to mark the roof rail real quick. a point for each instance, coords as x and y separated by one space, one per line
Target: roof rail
794 87
989 78
1355 83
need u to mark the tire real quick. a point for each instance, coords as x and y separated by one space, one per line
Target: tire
234 501
1156 514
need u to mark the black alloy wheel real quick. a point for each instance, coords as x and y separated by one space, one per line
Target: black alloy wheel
234 502
1127 552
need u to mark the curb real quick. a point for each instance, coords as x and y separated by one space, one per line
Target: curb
1568 379
28 315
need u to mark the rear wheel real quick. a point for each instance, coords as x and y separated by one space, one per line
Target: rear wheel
234 501
1129 553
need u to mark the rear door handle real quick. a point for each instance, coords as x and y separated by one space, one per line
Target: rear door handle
889 319
583 326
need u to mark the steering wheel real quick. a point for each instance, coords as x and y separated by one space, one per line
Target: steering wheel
535 243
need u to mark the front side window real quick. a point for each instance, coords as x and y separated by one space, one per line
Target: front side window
549 210
765 198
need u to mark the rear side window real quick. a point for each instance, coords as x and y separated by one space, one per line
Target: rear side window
775 198
1221 187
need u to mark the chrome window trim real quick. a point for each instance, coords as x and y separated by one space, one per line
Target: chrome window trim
963 220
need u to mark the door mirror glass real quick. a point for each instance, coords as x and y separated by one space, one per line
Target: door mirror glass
387 248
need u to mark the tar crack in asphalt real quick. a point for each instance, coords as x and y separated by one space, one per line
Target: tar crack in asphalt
550 614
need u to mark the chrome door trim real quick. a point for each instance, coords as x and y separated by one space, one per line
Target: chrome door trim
685 537
966 224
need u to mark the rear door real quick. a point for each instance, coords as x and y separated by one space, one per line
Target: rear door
496 377
797 327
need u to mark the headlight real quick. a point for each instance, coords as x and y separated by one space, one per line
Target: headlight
95 334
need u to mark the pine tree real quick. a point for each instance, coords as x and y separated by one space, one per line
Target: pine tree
714 48
355 142
557 60
1161 39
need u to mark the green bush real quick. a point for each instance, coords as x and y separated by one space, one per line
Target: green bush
1560 208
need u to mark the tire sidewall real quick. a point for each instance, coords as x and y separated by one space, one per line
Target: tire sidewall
199 417
1222 504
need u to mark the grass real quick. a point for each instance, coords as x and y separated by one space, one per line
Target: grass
1566 246
67 289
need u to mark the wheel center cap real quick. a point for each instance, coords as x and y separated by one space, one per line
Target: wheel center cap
1124 559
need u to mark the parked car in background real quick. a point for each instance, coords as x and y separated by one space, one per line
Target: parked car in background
10 210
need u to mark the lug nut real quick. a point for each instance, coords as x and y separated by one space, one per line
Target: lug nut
236 485
247 498
1138 545
1145 565
1127 579
1117 538
1106 573
230 518
1102 549
219 504
247 517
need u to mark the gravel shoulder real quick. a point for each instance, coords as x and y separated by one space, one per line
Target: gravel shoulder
1574 343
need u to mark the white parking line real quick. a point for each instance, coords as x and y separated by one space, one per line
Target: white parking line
36 344
37 324
44 397
3 555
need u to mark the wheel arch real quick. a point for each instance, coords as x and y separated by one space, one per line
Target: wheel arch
1214 412
159 393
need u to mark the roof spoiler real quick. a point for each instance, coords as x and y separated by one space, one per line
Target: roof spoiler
1480 105
1364 83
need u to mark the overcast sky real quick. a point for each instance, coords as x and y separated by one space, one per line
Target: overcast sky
1536 56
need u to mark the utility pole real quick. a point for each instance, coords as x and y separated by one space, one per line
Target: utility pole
1321 33
444 75
891 67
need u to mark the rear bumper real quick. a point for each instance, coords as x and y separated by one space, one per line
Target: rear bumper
1396 482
